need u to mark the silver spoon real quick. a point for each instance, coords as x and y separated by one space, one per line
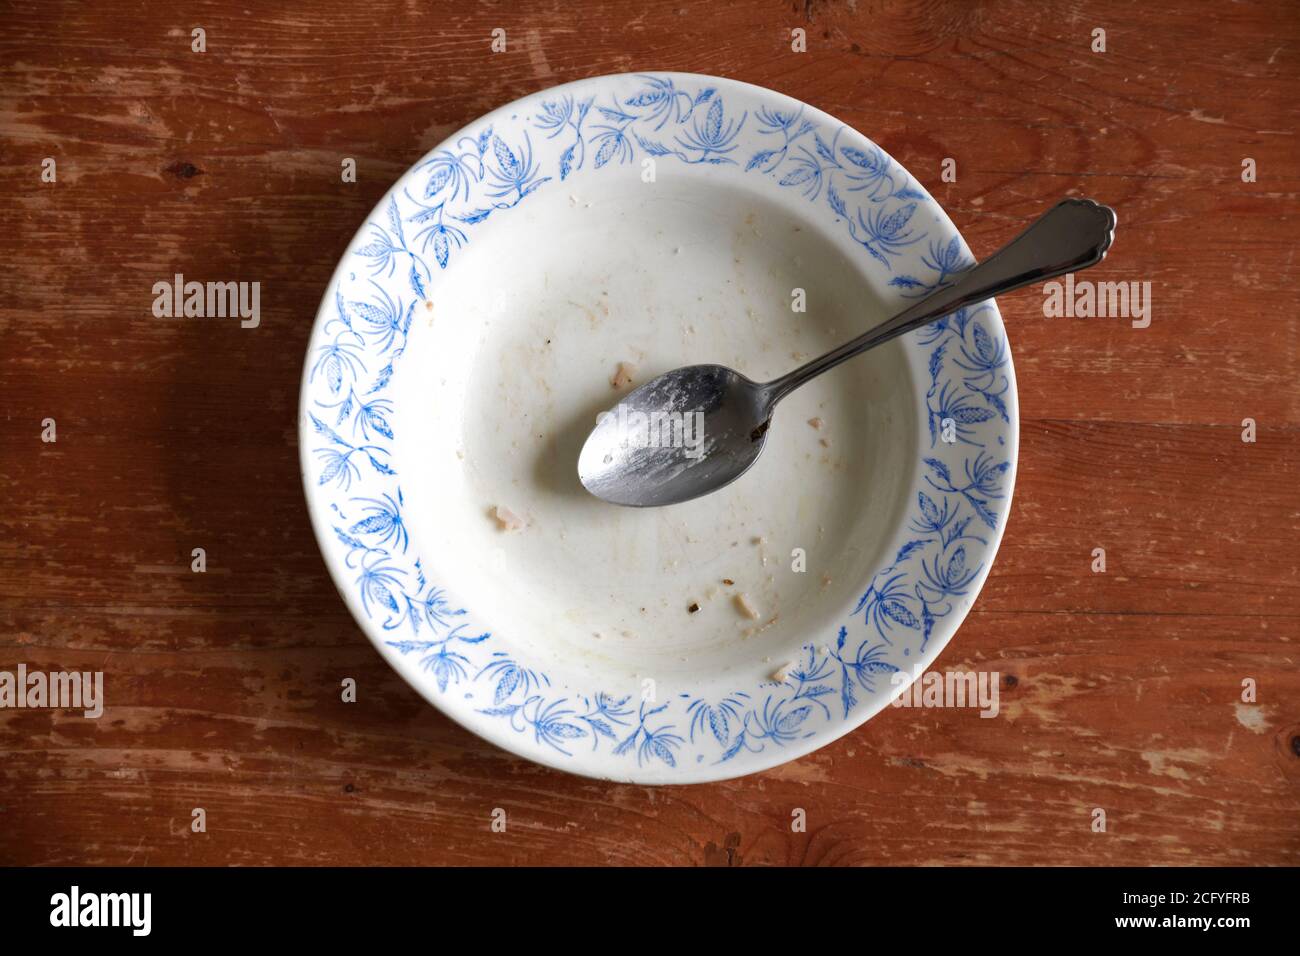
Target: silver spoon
650 449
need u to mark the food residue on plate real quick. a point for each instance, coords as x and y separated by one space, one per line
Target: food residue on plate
816 422
745 607
507 520
622 375
782 673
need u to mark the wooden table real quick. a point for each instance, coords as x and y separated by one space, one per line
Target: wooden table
1121 690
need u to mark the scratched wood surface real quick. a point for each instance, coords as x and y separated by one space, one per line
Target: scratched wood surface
1120 690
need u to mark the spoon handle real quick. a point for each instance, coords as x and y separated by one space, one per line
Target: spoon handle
1072 235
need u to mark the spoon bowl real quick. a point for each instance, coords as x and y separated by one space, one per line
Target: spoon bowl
677 437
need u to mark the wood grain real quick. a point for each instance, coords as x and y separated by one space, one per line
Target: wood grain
1120 690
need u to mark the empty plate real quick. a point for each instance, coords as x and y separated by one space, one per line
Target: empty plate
563 249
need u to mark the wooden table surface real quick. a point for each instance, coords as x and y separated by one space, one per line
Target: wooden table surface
1121 690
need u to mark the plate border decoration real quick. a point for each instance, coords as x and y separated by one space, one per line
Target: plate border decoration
961 493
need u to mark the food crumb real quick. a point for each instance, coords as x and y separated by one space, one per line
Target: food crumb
507 520
751 631
826 580
826 443
728 582
623 375
693 607
745 608
782 673
815 422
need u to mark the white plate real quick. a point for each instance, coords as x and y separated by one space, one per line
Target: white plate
467 341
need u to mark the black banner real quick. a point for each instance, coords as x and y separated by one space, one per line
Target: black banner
336 905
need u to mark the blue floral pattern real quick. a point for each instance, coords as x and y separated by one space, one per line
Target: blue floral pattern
586 128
